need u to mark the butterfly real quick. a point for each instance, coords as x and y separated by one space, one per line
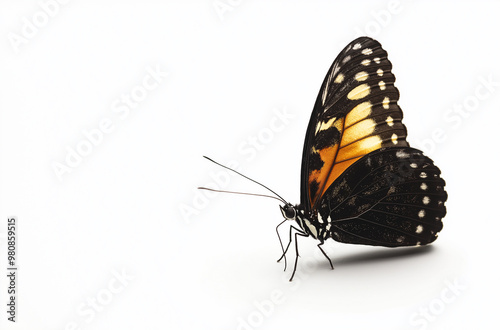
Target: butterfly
361 182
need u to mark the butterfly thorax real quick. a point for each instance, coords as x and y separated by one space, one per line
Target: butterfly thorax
312 224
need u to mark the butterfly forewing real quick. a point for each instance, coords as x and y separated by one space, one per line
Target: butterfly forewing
355 113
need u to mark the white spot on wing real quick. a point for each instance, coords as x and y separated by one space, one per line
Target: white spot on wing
366 51
389 121
423 186
394 138
359 92
380 72
377 60
426 200
421 213
339 78
381 84
402 154
361 76
365 62
419 229
357 46
385 102
325 126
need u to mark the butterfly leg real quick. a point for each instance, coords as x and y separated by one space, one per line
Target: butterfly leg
288 245
281 243
324 253
297 251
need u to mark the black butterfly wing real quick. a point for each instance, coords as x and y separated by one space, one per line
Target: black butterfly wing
355 113
391 197
361 182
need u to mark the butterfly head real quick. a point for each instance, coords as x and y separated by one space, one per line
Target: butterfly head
288 211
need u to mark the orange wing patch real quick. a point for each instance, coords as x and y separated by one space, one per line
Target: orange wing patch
365 128
327 155
356 141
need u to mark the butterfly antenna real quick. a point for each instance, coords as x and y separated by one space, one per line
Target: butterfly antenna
246 177
240 193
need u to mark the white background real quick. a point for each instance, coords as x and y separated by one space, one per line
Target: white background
195 260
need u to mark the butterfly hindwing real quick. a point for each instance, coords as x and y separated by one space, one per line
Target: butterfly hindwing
355 113
391 197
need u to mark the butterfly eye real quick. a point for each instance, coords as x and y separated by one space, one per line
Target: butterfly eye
288 212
